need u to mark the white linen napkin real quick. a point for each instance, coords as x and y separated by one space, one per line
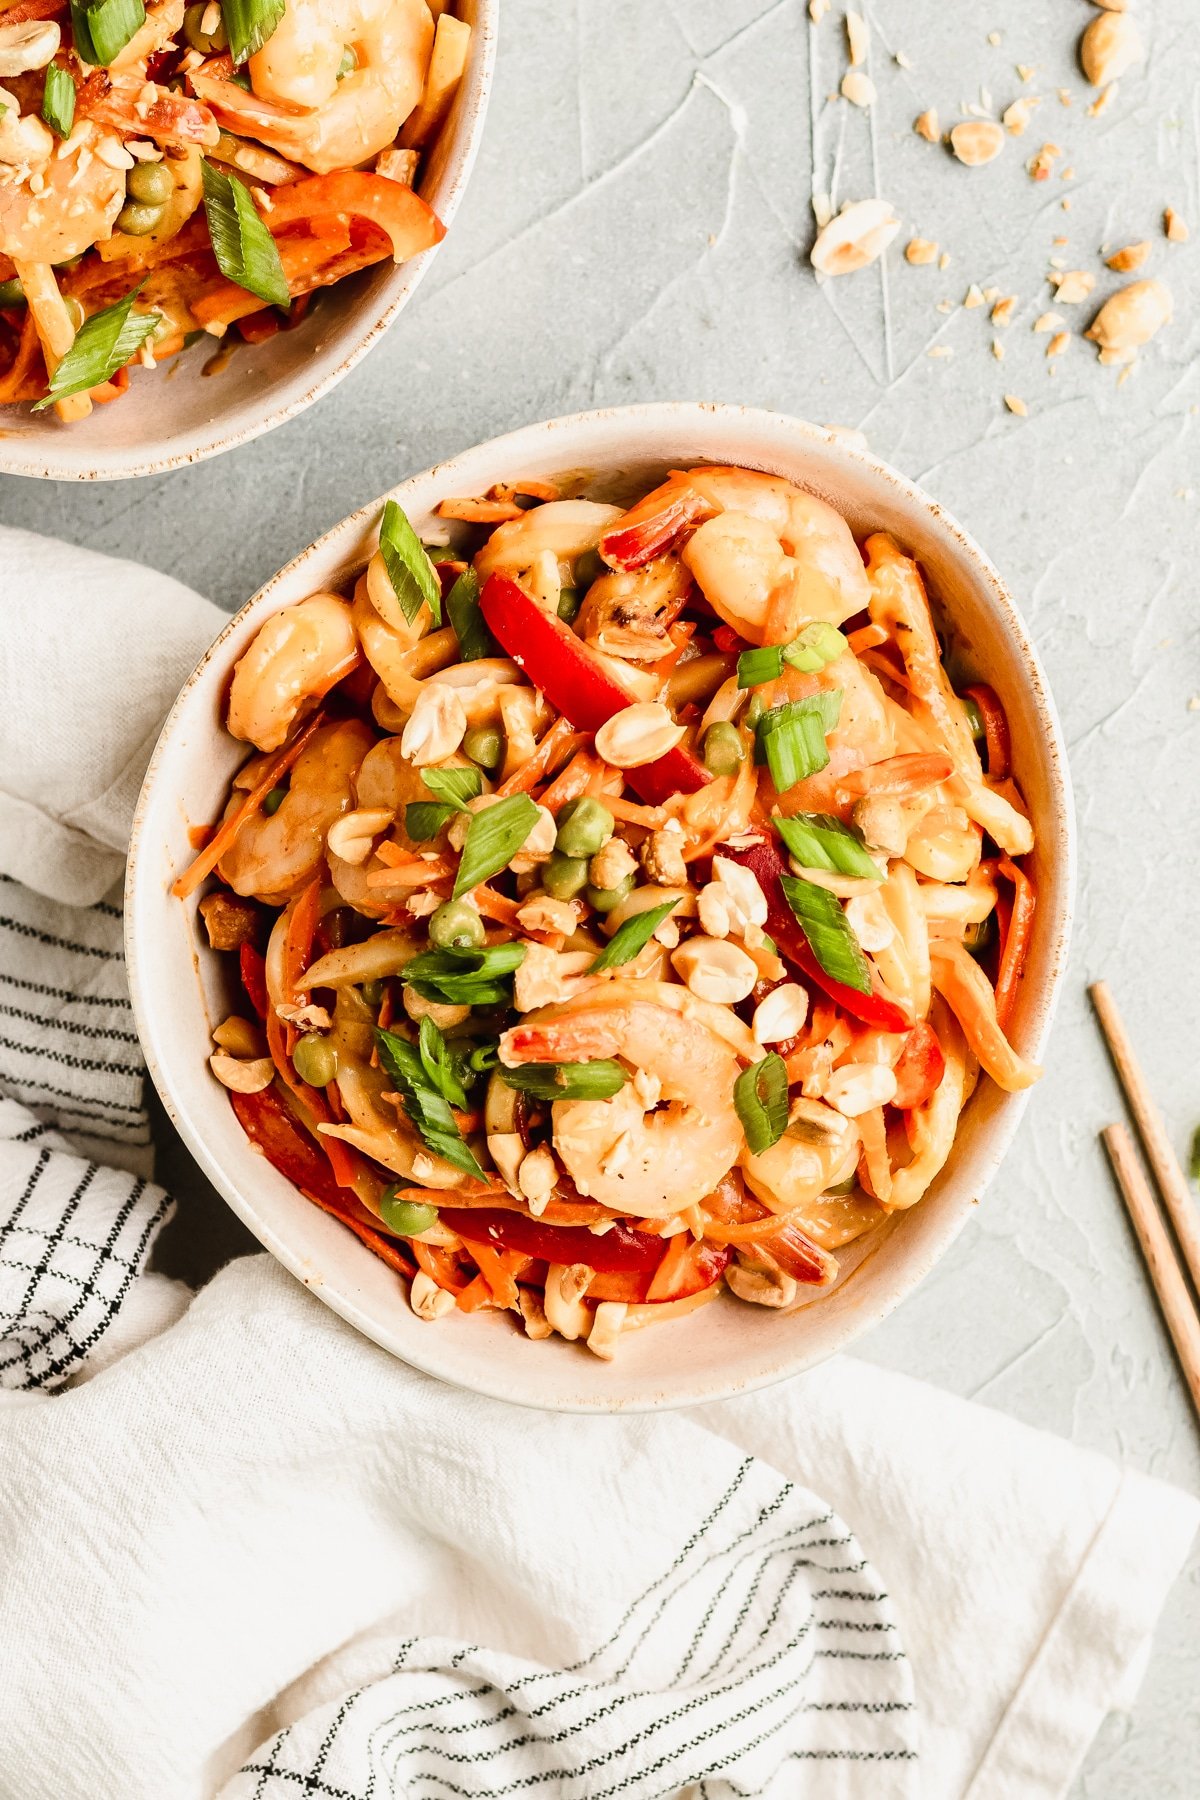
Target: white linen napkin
247 1554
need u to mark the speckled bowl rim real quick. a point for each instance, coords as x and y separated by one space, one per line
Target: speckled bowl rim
781 439
49 458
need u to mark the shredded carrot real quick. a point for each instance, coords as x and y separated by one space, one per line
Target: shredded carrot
475 1295
495 1269
995 731
481 512
418 872
561 741
226 833
630 813
345 1162
298 944
384 1248
532 490
573 780
438 1265
676 1262
495 906
1017 938
680 636
867 637
394 855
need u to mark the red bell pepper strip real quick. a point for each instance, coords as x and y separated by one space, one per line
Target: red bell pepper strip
619 1249
920 1067
995 731
575 684
1017 939
254 978
706 1263
879 1008
634 541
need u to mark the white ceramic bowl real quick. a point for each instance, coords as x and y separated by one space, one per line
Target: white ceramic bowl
179 415
178 984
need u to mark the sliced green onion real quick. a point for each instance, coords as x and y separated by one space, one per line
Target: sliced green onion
58 99
470 627
410 571
246 252
819 841
493 838
428 1110
760 1095
822 919
443 1068
248 25
102 28
454 786
632 936
103 344
465 977
423 819
567 1081
818 644
790 738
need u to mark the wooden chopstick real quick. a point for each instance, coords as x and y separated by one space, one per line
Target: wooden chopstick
1181 1208
1177 1307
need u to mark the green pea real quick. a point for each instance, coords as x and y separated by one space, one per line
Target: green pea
136 220
588 568
584 827
315 1060
568 603
150 183
604 899
974 719
484 746
372 993
274 800
348 63
405 1217
564 876
724 750
199 39
12 293
977 938
456 926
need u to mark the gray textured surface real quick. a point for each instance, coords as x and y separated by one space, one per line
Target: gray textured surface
638 228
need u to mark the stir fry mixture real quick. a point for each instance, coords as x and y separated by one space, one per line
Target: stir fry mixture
623 911
170 171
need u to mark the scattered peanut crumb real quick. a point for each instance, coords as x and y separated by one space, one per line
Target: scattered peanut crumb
858 88
1016 117
1064 96
1039 166
995 39
997 350
1125 374
973 297
1072 286
1047 321
944 306
1068 174
1174 226
920 250
1026 71
902 61
1132 257
926 126
1194 703
944 260
1003 310
1058 343
1016 405
858 39
977 141
1110 47
817 10
1103 101
940 350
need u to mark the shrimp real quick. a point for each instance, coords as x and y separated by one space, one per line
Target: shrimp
818 1150
297 656
55 205
541 548
627 612
276 854
625 1153
773 558
864 733
386 782
304 107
